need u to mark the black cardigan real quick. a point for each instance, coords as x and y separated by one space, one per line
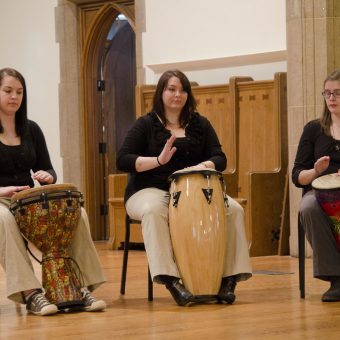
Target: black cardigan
16 162
314 143
147 138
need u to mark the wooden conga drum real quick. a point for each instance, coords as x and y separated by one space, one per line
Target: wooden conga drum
47 216
327 193
197 220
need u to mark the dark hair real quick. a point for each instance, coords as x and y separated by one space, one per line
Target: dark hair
21 114
326 119
190 105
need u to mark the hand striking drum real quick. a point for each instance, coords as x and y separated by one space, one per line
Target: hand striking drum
47 216
198 222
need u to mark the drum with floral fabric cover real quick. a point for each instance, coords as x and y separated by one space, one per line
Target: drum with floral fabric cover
198 228
47 216
327 193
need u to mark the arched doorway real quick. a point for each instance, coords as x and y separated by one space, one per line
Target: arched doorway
109 79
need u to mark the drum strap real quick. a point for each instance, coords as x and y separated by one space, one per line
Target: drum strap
75 267
29 250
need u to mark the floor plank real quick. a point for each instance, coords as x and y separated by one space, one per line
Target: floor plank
267 307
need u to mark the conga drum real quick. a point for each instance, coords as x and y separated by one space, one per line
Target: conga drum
47 216
327 193
197 221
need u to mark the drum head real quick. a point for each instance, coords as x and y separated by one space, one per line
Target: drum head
43 189
331 181
204 172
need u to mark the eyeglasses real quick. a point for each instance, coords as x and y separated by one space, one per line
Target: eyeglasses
327 94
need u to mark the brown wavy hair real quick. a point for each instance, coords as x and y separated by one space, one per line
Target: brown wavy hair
21 114
190 105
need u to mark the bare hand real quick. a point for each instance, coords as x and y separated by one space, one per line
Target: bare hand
167 151
321 164
11 190
43 176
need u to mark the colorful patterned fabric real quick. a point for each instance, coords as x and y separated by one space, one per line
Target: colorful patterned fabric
329 200
50 226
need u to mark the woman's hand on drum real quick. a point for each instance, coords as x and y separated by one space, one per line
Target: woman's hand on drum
167 151
43 177
321 165
11 190
306 177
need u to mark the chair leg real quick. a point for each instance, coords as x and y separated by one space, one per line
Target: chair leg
301 246
126 254
150 286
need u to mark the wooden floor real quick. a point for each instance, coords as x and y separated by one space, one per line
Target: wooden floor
268 306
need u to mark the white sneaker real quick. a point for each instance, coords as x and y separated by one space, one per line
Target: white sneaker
91 304
39 305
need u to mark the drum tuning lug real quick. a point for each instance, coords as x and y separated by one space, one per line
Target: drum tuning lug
69 202
208 194
22 211
44 201
175 197
225 197
81 200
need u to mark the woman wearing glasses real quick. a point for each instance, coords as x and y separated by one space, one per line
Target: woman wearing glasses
318 154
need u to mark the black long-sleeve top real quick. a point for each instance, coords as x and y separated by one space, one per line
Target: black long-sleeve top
16 162
147 138
314 143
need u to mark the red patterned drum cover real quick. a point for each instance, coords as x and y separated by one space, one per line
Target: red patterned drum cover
327 193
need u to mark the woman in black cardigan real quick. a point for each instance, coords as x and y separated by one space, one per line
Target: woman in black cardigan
318 154
24 158
173 137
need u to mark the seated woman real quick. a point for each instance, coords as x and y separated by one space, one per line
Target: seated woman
318 154
169 138
23 150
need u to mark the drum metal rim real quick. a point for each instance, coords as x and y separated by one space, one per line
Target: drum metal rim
45 189
206 172
50 196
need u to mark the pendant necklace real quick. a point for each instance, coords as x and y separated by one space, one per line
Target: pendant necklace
336 142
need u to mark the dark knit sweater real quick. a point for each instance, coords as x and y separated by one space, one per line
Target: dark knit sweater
147 138
16 162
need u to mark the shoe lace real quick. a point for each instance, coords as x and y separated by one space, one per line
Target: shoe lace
88 299
39 300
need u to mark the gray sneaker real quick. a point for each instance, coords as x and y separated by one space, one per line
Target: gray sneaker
91 304
39 305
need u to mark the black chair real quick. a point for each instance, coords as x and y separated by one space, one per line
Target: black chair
128 222
301 250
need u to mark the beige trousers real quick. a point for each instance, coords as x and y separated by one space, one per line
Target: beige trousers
151 207
18 267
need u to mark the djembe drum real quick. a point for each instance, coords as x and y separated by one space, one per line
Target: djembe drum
197 220
327 193
47 216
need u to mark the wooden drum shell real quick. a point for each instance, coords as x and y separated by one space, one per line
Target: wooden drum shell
198 229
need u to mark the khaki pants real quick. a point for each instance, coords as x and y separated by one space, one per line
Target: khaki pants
151 207
19 270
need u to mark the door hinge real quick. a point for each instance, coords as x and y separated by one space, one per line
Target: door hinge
101 85
103 209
